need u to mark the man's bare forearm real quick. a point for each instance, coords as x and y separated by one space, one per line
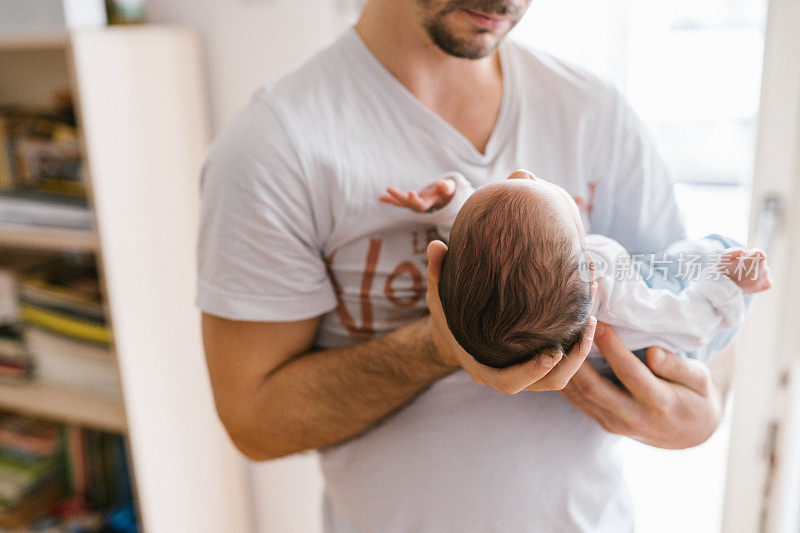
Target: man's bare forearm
322 398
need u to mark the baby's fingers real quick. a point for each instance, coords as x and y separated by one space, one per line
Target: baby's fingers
416 201
764 282
446 187
400 196
405 200
390 200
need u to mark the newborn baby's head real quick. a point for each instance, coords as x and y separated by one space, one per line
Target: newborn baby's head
510 286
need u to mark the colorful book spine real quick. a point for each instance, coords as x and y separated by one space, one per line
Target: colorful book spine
66 325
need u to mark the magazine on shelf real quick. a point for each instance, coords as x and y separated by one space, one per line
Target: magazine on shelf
15 362
71 363
64 298
38 208
41 167
40 149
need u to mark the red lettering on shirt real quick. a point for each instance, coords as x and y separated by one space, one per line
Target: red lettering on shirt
366 329
417 284
587 205
422 247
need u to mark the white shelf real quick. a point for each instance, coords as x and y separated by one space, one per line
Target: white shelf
140 100
58 403
35 41
48 238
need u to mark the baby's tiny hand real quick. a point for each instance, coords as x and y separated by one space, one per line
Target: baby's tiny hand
434 196
747 268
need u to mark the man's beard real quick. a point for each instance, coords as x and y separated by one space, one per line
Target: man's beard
445 39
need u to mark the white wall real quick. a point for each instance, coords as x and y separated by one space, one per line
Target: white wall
248 43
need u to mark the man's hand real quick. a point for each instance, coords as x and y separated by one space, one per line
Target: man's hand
672 404
548 372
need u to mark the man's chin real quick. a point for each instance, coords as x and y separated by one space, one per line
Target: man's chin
475 46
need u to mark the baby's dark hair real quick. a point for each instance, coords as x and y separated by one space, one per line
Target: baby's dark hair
510 285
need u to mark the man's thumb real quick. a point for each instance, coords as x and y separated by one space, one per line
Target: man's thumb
436 252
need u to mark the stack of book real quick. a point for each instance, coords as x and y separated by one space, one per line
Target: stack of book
15 363
65 327
41 168
98 468
62 478
100 495
8 294
36 208
31 469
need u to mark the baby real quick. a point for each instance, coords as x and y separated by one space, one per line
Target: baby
517 279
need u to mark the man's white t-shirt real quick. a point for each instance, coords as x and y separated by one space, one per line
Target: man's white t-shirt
292 228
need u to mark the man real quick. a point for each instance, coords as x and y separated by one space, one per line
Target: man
315 319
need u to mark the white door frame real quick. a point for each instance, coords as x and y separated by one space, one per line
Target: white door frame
762 470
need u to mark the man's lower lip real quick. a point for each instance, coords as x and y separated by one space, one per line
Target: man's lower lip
487 22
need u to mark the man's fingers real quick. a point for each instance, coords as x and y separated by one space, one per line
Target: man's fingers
588 390
570 363
512 379
436 252
687 372
594 388
607 419
633 374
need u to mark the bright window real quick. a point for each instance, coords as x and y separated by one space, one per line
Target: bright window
692 71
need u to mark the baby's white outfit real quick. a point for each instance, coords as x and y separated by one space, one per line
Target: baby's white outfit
675 299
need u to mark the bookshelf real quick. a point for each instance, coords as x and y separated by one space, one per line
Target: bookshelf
141 113
65 405
19 236
34 41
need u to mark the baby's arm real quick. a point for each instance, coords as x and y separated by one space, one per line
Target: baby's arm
436 204
685 317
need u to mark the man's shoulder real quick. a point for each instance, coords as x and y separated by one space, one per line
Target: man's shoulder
310 88
563 82
294 107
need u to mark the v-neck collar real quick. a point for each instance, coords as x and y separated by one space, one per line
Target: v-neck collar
426 117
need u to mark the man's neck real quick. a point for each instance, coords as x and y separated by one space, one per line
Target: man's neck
400 42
